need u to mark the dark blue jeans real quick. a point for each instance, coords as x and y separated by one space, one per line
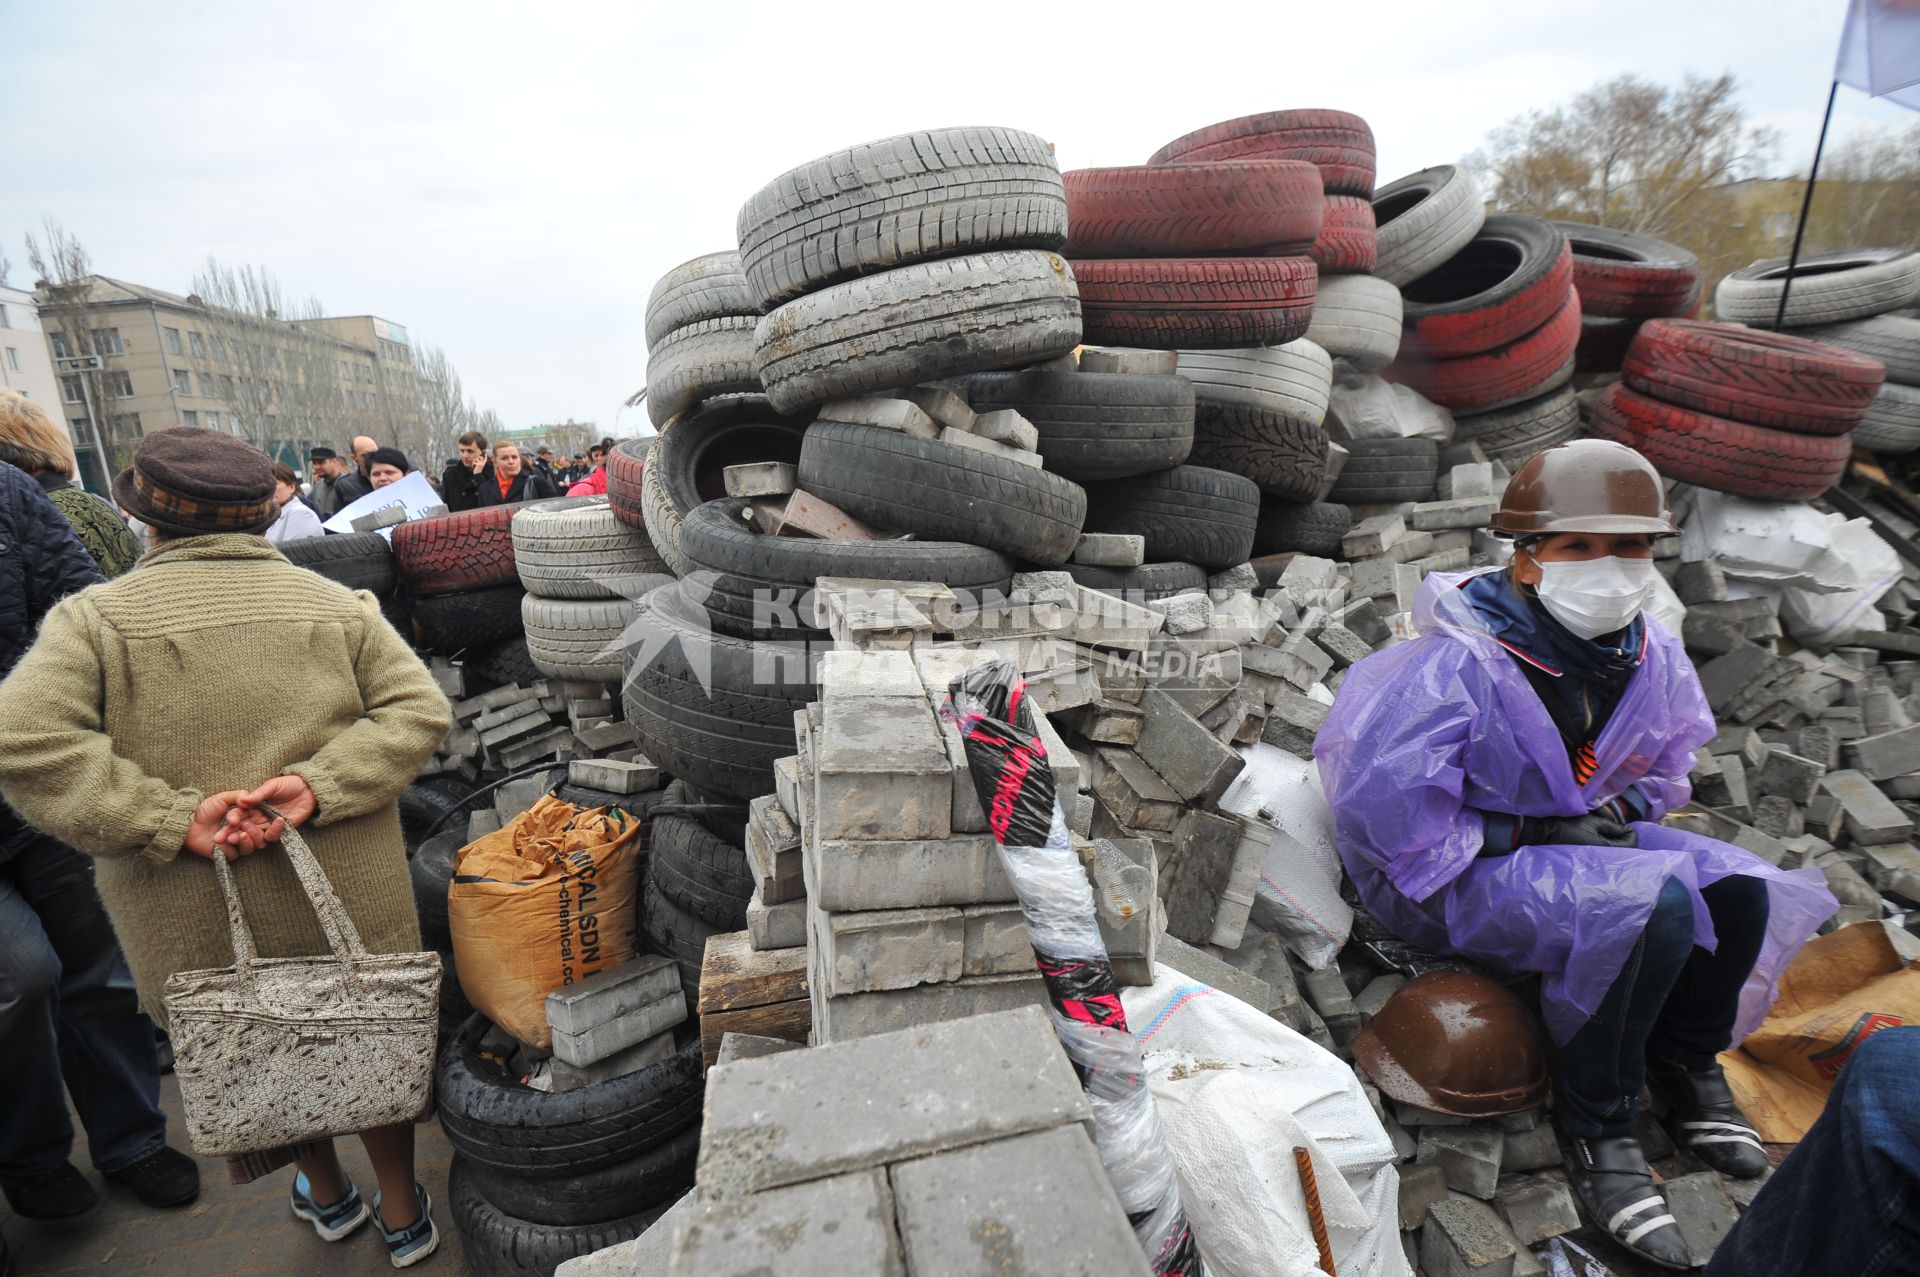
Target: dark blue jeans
1672 999
1847 1201
68 1012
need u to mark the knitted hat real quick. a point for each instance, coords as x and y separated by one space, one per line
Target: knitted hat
198 482
322 454
389 457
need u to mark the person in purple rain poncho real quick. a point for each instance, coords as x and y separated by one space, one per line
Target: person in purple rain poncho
1497 787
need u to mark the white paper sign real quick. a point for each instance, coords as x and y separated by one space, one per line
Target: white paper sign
412 493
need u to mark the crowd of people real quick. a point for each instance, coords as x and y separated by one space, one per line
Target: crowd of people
482 475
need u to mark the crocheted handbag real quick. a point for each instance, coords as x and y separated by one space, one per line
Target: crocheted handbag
275 1051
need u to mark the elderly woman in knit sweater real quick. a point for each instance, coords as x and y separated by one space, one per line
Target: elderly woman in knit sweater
149 719
34 442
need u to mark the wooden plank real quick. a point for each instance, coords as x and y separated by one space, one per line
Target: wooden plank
734 975
788 1021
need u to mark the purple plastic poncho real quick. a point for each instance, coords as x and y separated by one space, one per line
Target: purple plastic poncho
1425 732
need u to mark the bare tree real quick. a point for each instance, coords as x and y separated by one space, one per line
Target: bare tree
63 294
444 413
1628 154
5 266
1868 193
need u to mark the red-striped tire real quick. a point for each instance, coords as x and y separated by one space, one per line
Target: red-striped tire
626 466
1623 276
1510 279
1761 378
1727 456
1196 303
1519 370
471 550
1603 343
1346 245
1337 142
1192 210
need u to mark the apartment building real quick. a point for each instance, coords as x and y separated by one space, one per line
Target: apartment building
168 360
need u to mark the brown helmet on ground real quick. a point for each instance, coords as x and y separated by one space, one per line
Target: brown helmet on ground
1585 485
1458 1044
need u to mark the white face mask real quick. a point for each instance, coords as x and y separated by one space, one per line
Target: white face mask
1592 597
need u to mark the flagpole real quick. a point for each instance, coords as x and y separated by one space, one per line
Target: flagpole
1806 206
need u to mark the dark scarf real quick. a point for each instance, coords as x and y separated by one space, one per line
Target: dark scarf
1582 679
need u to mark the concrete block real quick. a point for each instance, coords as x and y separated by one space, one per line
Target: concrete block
888 949
642 1054
501 725
1205 968
1121 359
1005 426
1186 755
1420 1187
980 443
752 1046
1107 722
1705 1213
1238 579
996 941
644 1256
837 1227
1534 1149
884 1099
1701 582
1373 536
1375 993
1204 849
776 926
1537 1207
385 517
861 1015
1887 755
1467 479
1236 901
1464 1238
1894 870
448 677
600 1041
1101 620
1470 1155
1789 775
806 515
760 479
615 778
883 874
1133 791
1185 613
1110 550
881 770
607 736
1293 721
900 415
773 852
613 993
483 822
1871 817
1728 675
942 404
1461 512
1039 1203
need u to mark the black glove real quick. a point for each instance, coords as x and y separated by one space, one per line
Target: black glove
1590 830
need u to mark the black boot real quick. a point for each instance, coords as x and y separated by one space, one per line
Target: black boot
1704 1120
1611 1177
60 1194
164 1177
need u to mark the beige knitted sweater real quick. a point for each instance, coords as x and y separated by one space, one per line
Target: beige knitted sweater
216 664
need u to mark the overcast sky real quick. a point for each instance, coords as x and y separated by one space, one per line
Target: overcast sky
508 180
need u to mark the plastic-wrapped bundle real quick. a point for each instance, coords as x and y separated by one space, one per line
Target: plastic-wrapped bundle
1009 766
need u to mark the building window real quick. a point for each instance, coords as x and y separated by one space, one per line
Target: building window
191 418
183 381
366 373
346 373
173 340
206 386
127 421
219 348
71 390
4 323
120 385
13 359
198 344
59 344
106 341
226 386
213 421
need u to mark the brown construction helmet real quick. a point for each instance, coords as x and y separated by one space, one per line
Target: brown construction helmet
1455 1043
1585 485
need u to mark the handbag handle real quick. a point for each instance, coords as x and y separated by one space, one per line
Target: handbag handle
342 936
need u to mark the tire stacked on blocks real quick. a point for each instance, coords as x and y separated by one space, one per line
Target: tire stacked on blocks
583 570
539 1178
907 260
1096 425
1490 333
460 573
359 561
1260 413
686 464
1623 281
700 320
1206 254
1752 413
1847 300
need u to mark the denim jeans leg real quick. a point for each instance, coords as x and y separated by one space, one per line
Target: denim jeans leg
1599 1074
36 1135
1847 1200
107 1051
1697 1022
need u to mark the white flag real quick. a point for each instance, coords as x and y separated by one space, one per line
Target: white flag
1880 50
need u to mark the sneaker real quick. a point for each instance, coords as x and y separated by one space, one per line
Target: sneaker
417 1240
59 1194
164 1177
331 1222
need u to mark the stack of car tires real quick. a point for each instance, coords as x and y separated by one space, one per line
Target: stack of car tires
359 561
459 571
1623 281
1756 414
686 465
583 570
1490 333
539 1178
700 322
1847 300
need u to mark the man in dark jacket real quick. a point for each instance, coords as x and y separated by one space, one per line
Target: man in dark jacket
68 1013
461 482
358 481
514 480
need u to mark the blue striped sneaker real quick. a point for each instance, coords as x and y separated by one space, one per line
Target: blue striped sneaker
417 1240
332 1222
